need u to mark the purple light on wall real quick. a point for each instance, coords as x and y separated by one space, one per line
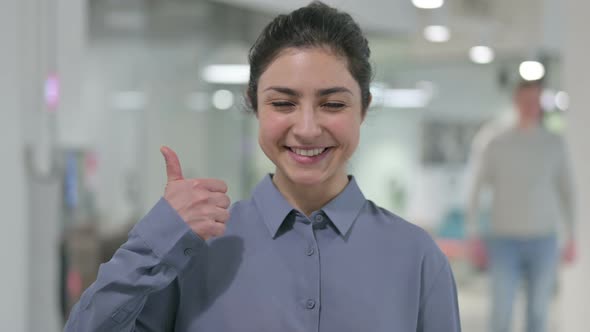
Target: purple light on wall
52 92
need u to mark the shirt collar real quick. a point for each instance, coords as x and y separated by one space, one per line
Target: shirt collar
272 205
274 208
344 209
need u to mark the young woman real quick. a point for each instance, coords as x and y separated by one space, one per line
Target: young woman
307 251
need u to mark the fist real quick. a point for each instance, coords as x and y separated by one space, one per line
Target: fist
201 203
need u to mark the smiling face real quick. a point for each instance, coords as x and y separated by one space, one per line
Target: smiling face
310 113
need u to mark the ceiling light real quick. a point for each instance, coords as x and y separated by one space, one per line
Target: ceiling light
531 70
428 4
437 33
227 74
481 54
223 99
400 98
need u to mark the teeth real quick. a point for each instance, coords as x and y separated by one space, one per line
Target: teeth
309 152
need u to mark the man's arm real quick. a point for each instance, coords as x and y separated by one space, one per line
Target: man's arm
481 176
566 189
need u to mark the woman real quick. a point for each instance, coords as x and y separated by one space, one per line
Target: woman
307 252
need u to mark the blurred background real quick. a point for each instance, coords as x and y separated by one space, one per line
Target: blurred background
92 88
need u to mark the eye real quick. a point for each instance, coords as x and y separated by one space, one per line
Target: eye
333 106
283 105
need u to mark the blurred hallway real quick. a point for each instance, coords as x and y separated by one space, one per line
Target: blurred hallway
91 89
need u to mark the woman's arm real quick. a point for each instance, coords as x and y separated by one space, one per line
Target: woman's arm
439 309
143 269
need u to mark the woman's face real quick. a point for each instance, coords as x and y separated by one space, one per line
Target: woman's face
309 112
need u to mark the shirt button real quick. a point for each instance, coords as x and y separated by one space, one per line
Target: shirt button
319 218
310 304
188 251
310 251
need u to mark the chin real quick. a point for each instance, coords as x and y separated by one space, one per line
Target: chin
307 178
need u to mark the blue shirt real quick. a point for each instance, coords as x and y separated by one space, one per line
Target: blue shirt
351 266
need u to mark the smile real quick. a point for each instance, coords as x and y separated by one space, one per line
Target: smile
308 152
308 156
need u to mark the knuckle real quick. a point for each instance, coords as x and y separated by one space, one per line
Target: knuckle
209 211
222 200
223 185
225 215
200 197
210 227
197 183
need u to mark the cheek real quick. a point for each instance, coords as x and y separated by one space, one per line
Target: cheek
271 129
348 131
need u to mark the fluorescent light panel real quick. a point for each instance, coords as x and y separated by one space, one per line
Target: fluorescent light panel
227 74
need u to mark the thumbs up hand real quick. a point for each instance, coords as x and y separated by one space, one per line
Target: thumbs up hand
201 203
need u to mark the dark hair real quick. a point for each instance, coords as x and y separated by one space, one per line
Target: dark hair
316 25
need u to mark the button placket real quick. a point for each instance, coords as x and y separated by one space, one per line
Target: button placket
309 292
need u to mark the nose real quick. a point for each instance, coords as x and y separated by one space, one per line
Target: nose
307 125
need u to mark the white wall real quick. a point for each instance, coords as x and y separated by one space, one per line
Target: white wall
30 225
13 196
576 289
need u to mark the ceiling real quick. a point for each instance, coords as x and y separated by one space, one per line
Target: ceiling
521 28
516 29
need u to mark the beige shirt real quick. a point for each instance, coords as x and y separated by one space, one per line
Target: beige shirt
529 176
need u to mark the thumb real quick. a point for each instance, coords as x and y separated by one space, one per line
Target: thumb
173 169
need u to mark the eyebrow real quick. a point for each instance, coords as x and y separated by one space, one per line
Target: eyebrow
321 93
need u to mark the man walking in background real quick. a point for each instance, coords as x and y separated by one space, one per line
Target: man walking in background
526 168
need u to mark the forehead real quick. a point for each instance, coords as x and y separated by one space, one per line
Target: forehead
308 68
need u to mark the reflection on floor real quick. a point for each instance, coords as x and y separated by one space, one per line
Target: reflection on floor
474 305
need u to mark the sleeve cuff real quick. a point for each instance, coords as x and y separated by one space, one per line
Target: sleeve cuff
169 237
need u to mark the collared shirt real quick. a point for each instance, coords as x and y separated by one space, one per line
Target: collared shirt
351 266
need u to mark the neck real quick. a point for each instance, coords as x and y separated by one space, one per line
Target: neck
310 198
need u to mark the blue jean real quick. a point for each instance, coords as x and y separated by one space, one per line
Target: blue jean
535 262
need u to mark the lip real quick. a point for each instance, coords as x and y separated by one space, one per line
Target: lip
305 160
